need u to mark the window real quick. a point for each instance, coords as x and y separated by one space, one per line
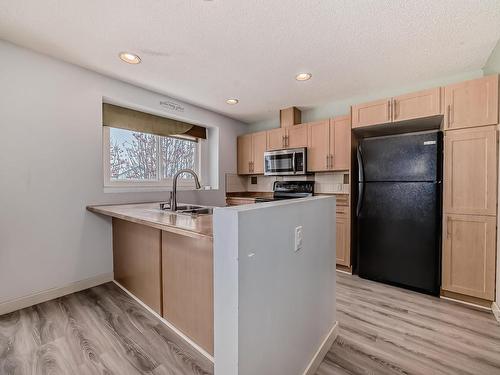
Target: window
140 159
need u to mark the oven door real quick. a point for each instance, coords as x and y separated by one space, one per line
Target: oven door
285 162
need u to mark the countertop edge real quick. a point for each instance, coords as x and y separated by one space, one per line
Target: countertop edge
168 228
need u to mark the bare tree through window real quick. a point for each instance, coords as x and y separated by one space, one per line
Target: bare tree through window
135 155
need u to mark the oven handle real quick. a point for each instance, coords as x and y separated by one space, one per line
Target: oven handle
293 163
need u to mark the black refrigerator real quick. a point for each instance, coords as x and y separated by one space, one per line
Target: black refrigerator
399 210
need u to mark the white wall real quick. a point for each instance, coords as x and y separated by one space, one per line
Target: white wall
51 168
273 306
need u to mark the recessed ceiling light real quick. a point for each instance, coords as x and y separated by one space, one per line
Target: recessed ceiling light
130 58
232 101
303 76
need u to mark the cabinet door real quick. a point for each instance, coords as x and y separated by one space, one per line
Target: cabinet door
188 291
469 255
417 105
276 139
318 146
373 113
296 136
244 153
259 147
343 240
340 142
471 103
470 172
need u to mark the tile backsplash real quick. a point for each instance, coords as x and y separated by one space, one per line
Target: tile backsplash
327 182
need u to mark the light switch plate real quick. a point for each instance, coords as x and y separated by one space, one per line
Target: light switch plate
298 238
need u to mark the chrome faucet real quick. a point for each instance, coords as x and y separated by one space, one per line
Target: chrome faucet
173 194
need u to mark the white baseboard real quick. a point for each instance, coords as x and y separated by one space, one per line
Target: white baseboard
322 350
49 294
168 324
496 310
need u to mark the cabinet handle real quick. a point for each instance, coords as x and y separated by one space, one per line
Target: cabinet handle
448 227
388 110
331 161
286 141
394 110
327 162
283 141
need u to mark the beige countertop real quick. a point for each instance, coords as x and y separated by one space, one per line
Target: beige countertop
150 214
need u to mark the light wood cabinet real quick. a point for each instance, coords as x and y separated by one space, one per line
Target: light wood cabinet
318 150
259 141
340 142
329 145
470 171
343 237
296 136
469 255
419 104
276 139
471 103
137 261
251 148
244 153
187 287
290 137
372 113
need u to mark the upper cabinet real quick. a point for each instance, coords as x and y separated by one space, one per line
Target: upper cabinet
340 130
290 137
251 148
318 150
470 171
296 136
276 139
259 141
329 145
471 103
421 104
372 113
245 154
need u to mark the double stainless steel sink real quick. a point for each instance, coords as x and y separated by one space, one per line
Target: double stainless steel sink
188 209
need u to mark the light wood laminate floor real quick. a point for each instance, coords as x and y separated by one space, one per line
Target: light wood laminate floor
388 330
383 330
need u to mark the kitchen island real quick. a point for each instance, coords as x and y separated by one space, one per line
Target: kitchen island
251 287
166 260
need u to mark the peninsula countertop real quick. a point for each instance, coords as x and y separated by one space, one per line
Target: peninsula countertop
149 214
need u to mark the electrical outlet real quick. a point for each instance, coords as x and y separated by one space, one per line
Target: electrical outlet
298 238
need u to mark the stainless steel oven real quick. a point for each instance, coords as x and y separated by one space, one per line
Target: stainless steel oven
285 162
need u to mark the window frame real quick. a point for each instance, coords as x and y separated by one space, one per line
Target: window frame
159 184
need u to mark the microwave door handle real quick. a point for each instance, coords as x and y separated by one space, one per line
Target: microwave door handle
294 166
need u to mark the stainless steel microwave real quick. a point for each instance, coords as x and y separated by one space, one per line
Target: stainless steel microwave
285 162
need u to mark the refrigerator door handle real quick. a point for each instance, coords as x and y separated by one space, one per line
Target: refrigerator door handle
361 183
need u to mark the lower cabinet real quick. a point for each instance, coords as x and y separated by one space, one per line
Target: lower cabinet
187 287
137 261
343 236
469 247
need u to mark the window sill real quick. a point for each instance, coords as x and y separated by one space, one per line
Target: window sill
149 189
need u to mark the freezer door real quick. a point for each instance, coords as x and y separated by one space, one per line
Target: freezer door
407 157
399 226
